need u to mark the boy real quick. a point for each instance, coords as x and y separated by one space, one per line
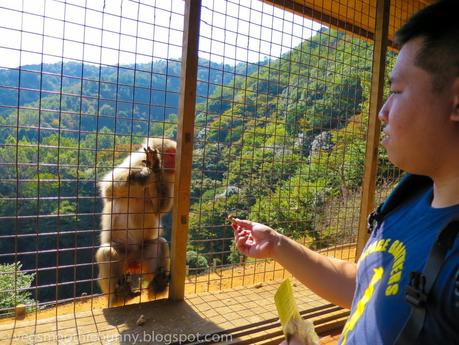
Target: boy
421 136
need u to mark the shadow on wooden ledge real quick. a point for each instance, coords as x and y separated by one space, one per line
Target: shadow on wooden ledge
244 315
162 322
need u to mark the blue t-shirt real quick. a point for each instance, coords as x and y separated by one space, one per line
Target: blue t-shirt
399 246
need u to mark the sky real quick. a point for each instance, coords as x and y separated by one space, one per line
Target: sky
115 32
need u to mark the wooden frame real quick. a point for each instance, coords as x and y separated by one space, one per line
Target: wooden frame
374 126
359 20
185 131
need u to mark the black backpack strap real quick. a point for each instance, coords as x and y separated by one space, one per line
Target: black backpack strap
409 185
421 283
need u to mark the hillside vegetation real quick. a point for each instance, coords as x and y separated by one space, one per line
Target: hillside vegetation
280 141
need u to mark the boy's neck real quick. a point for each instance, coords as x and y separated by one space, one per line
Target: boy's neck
446 191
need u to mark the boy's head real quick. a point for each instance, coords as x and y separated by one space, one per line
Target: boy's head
438 26
421 116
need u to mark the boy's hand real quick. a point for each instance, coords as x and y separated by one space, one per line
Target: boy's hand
254 239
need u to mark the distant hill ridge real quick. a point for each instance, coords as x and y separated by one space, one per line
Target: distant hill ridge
140 92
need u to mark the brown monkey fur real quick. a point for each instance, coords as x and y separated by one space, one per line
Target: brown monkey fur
136 194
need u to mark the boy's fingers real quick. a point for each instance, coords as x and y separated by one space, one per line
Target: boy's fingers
242 234
238 230
241 244
241 225
247 224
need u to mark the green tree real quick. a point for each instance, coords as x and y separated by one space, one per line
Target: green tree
196 262
293 207
14 288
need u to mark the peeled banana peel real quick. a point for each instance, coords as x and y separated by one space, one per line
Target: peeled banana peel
300 331
295 329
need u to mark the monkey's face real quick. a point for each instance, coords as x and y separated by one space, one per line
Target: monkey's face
168 161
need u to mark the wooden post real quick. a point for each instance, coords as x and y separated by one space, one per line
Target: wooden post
185 131
374 127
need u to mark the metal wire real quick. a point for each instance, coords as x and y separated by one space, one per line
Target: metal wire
83 82
280 127
265 44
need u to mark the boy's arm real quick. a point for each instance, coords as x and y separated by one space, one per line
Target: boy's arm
330 278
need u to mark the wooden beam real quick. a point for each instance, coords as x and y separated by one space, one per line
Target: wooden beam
374 126
305 10
185 131
353 16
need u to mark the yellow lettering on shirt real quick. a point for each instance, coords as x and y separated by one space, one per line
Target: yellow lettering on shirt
377 246
398 250
392 290
394 278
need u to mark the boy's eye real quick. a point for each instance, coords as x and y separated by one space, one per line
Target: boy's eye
392 92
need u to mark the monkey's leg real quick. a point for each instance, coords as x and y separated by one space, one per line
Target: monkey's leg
112 278
156 261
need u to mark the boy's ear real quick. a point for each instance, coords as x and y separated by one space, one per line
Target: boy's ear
455 111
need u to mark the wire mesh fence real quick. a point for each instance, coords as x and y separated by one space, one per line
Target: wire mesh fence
83 84
281 143
280 133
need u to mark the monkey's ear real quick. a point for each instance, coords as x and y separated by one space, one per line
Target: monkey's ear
168 158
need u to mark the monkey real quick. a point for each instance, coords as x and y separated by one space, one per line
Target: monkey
136 194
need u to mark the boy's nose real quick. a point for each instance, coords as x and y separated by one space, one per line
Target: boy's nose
383 112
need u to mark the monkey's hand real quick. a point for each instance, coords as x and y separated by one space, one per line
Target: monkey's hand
152 160
123 287
160 280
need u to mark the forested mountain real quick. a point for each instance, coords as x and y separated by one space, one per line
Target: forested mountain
79 97
276 141
286 146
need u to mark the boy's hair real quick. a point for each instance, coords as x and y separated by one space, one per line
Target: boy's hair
438 26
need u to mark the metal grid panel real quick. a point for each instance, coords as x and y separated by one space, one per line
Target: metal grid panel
280 141
82 84
280 132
